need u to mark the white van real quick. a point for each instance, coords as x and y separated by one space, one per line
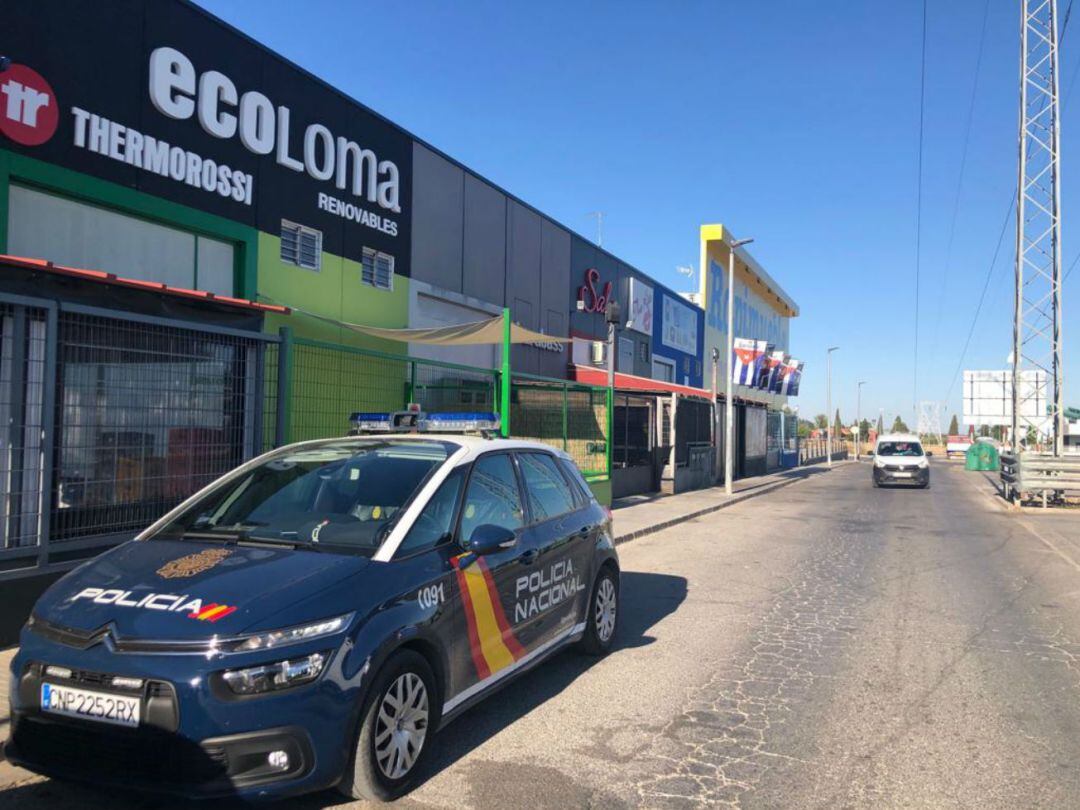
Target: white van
899 459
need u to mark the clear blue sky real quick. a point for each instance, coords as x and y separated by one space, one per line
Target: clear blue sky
792 122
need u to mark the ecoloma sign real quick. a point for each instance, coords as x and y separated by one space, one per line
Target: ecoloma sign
29 112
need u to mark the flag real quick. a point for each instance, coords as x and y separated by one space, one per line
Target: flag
770 367
777 379
746 360
796 379
789 375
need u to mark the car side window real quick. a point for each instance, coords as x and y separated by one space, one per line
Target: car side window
435 523
549 494
492 496
583 492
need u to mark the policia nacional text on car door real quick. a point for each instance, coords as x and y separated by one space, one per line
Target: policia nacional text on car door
313 617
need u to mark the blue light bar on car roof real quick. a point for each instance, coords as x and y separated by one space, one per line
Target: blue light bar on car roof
370 422
408 421
462 422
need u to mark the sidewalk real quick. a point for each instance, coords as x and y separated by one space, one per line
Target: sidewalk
639 515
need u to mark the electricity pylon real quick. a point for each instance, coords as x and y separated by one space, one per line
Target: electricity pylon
1037 314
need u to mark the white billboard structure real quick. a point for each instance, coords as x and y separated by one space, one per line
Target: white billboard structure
988 399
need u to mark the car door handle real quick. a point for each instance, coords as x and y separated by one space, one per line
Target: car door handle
585 530
529 557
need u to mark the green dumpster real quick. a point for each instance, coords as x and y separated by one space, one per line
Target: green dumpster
982 456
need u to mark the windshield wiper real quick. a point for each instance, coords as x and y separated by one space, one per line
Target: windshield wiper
228 537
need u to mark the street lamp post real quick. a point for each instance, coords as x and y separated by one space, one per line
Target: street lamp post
858 417
729 409
716 411
828 404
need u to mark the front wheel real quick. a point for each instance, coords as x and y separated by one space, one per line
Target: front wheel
396 722
602 614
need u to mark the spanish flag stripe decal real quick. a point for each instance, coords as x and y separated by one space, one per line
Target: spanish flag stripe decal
223 613
470 623
210 613
500 615
199 613
496 647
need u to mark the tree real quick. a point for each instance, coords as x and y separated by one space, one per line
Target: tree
837 424
898 425
954 426
880 424
864 428
821 421
805 426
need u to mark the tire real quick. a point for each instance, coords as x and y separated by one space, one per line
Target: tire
380 769
602 614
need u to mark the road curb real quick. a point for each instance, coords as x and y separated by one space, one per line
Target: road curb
736 498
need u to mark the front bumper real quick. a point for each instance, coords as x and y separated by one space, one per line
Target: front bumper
909 476
193 740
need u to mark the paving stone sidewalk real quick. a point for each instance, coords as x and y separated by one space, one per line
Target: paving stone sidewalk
640 515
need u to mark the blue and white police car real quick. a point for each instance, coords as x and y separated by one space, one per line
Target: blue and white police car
311 618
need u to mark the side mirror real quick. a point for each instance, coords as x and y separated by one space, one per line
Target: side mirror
869 452
488 538
929 453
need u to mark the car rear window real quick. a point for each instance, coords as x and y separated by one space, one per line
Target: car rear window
574 475
546 486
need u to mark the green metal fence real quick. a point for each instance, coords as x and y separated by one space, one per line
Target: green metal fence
319 384
569 415
329 381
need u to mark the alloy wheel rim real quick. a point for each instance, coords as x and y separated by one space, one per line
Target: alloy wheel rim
401 725
605 609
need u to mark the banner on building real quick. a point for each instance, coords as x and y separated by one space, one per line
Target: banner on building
789 375
770 369
746 360
796 380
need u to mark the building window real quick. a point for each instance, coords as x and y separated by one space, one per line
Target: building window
377 269
663 369
301 246
78 234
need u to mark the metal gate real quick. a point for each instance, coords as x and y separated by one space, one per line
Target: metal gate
108 419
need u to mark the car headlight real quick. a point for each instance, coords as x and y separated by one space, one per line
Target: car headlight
924 463
279 675
293 635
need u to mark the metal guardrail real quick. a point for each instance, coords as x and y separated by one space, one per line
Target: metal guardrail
1030 476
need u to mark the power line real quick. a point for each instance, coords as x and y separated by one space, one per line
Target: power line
918 213
960 178
1004 226
982 296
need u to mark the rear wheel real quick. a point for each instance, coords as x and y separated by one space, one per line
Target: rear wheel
396 722
602 614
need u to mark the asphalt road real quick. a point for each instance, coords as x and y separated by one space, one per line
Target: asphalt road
830 645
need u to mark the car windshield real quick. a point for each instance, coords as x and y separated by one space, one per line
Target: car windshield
899 449
344 494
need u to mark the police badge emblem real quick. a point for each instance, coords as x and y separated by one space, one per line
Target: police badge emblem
193 564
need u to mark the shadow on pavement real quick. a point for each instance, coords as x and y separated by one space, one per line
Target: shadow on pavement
647 598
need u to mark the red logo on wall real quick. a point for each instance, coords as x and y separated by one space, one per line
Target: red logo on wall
28 109
591 300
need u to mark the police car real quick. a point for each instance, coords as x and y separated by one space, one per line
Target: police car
313 617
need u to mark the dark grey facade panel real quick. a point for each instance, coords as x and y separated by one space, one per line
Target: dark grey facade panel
523 278
554 268
438 189
523 265
485 241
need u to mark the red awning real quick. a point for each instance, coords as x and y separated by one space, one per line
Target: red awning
628 382
138 284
